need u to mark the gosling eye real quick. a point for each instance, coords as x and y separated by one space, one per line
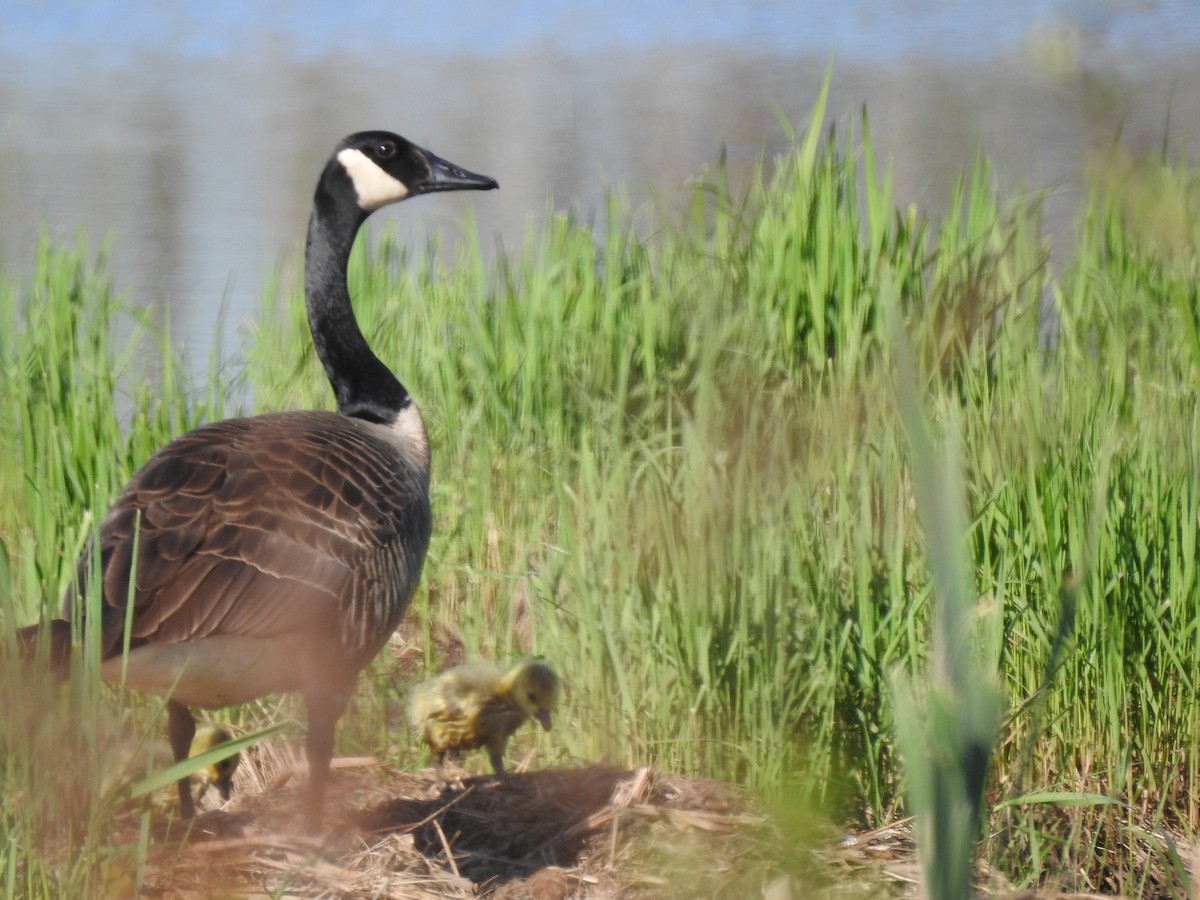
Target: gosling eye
532 697
385 149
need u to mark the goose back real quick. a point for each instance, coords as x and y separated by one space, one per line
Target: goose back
299 523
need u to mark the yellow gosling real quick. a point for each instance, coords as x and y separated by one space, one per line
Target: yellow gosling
219 774
479 705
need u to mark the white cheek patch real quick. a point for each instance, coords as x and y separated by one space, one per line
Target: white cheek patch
375 187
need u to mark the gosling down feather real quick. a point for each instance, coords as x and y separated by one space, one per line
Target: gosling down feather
220 774
479 705
147 757
278 553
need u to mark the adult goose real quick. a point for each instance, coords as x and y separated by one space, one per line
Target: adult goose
277 553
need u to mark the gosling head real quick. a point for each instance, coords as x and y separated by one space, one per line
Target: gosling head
534 687
220 773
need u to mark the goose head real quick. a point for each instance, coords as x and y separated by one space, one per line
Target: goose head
385 168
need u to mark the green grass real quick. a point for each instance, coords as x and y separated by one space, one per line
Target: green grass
671 459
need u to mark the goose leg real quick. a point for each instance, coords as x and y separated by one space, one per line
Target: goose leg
323 714
495 749
497 759
181 728
439 765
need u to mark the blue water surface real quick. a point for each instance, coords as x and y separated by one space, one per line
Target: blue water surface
189 134
48 35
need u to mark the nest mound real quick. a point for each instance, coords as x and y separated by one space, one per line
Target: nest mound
588 833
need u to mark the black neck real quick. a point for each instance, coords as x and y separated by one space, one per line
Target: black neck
364 386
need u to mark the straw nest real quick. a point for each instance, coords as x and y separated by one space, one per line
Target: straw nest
562 833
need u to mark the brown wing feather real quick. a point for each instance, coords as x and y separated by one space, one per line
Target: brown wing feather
266 526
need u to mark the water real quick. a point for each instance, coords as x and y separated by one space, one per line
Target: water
193 136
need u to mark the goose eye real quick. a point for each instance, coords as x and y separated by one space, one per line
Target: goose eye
385 149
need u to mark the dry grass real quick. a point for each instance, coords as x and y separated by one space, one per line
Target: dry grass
591 832
587 833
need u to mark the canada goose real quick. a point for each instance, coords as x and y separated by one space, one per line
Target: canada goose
277 553
479 705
